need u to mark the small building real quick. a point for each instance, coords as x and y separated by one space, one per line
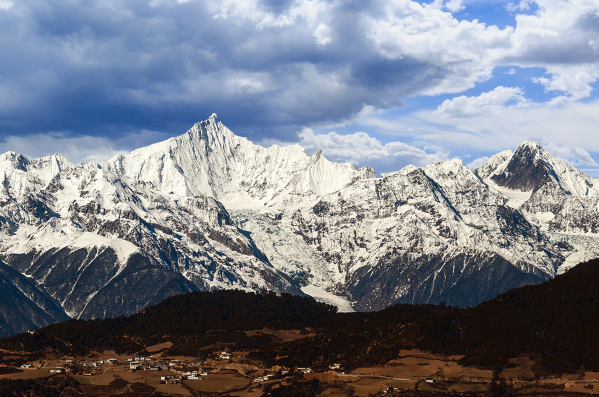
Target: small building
205 372
429 380
27 365
57 371
134 365
112 361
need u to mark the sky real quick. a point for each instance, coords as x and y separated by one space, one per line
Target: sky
384 83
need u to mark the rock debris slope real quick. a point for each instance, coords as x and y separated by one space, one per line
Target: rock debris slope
211 210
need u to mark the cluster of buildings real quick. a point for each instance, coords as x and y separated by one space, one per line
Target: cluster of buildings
264 378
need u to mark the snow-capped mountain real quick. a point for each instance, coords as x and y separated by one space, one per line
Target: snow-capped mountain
210 160
210 210
559 199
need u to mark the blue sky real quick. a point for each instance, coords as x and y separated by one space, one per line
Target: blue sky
384 83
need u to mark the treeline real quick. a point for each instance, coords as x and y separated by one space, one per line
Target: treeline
195 315
556 323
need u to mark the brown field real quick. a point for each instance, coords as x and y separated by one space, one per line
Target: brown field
466 387
251 392
281 335
151 378
523 369
580 387
13 357
367 386
422 354
363 385
160 346
219 382
418 368
28 374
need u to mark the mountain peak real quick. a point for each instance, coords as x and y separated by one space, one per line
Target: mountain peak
16 160
211 160
531 145
530 167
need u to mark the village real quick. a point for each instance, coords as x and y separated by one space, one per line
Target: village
233 373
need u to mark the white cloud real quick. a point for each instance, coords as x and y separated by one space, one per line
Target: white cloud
577 156
465 50
362 149
523 5
78 148
6 5
487 102
560 37
477 162
573 124
575 80
322 34
454 5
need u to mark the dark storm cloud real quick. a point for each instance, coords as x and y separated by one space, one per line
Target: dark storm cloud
111 68
107 68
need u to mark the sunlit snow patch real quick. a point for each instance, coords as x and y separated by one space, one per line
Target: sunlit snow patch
124 249
326 297
516 198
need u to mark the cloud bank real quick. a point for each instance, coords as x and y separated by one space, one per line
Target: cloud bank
112 69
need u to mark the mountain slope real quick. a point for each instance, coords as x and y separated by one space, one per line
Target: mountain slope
103 247
23 306
210 210
422 235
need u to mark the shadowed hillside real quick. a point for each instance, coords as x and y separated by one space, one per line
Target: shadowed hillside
556 322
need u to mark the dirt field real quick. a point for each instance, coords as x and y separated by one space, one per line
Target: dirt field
282 335
367 386
252 392
523 369
466 387
28 374
363 385
220 382
582 387
418 368
421 354
158 347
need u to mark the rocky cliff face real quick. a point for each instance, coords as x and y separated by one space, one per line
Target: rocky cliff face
210 210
